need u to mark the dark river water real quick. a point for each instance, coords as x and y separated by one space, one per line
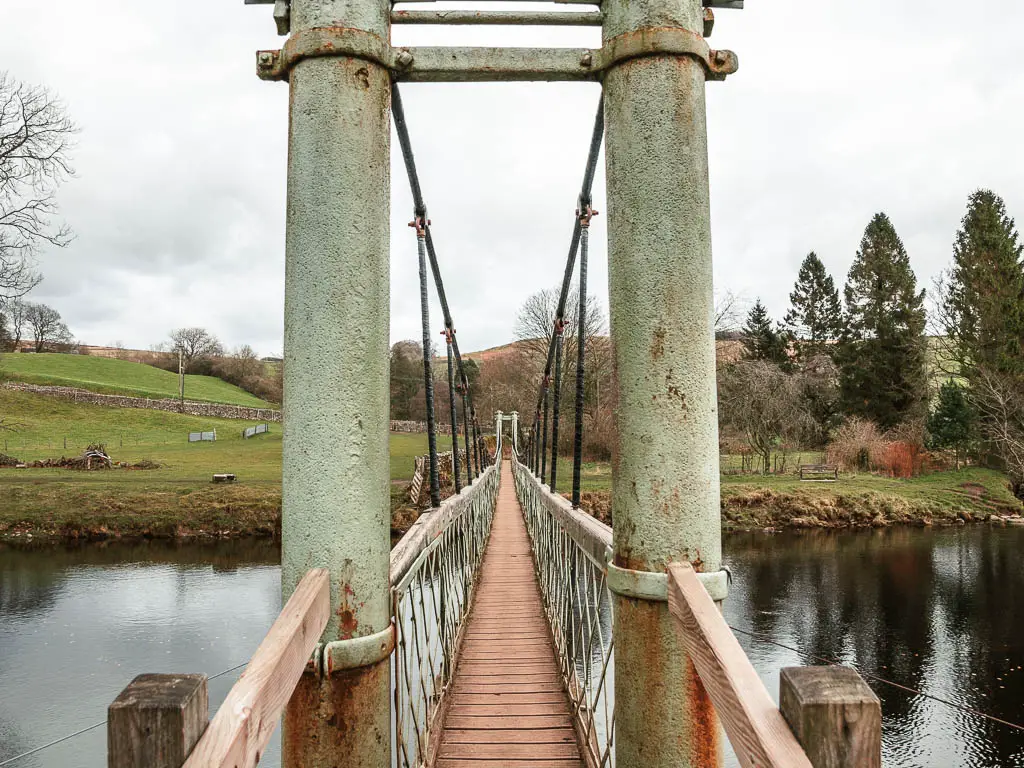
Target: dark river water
937 611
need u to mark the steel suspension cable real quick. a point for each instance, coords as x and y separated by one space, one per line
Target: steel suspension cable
428 378
544 435
579 234
454 414
586 213
556 408
465 430
420 209
906 688
585 199
479 448
94 726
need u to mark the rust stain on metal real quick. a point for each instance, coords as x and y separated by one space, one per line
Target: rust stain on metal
697 563
674 392
658 344
705 746
301 720
347 621
330 718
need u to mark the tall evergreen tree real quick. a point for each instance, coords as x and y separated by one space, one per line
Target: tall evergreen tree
983 307
882 356
951 422
763 339
816 316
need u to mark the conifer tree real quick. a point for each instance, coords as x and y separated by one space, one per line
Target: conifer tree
882 356
763 339
951 422
982 310
816 316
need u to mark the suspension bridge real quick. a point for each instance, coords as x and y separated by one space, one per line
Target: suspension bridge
507 627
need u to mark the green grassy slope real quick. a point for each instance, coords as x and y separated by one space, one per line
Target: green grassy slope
178 496
119 377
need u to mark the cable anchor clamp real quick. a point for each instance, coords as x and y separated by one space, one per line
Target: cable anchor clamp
420 224
585 213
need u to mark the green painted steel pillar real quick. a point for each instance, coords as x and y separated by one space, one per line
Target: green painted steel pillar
336 463
665 481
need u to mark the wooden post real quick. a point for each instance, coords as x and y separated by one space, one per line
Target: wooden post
156 721
835 716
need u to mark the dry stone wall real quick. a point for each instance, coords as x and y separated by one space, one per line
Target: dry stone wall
419 426
190 407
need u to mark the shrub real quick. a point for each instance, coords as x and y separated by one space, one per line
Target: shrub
901 459
858 445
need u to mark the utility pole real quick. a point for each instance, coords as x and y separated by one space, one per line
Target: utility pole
181 380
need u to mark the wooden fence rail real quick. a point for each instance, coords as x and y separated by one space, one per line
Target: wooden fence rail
155 720
835 715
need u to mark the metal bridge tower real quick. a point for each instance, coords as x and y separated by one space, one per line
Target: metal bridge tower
653 63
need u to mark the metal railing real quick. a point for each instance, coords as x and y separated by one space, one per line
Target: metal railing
570 551
433 576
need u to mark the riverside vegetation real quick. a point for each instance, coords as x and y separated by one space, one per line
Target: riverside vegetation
177 499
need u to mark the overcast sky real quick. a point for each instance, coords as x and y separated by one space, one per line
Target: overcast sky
840 109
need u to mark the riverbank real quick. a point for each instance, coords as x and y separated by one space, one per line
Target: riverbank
754 502
177 499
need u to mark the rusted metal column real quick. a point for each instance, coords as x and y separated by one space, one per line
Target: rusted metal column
665 483
336 464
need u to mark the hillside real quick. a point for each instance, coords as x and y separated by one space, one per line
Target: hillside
178 498
119 377
728 351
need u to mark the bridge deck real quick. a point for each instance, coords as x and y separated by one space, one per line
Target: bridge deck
508 706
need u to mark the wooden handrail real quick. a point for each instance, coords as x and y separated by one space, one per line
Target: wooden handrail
759 734
245 721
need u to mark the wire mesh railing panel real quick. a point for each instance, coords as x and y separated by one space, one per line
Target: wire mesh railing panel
570 554
431 596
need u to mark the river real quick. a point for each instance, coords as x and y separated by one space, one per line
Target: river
936 611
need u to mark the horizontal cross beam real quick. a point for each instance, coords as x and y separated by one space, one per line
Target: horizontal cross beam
477 64
549 18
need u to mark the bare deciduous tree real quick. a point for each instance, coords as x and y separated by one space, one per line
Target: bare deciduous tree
46 326
195 344
13 311
764 404
999 399
730 310
533 328
35 142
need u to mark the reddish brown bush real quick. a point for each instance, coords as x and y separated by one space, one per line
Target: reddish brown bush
901 459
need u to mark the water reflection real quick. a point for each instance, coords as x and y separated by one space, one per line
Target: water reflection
77 623
932 610
935 611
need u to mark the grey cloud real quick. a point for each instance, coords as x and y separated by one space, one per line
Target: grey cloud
839 110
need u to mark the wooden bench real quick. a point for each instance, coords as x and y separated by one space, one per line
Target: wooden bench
819 473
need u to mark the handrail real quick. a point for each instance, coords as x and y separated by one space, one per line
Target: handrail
245 721
570 555
756 728
429 526
433 579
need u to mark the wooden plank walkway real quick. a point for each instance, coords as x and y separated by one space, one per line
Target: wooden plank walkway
508 706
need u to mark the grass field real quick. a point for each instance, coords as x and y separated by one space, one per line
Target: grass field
119 377
178 496
760 501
